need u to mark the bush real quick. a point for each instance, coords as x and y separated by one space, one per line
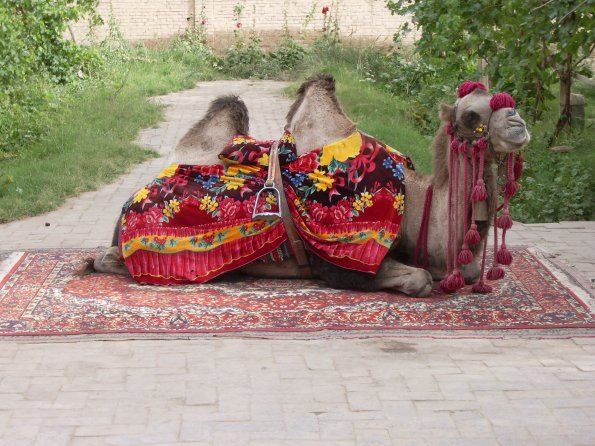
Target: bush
35 59
249 59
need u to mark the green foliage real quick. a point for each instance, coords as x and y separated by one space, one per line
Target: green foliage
288 54
526 44
555 187
32 39
414 79
35 56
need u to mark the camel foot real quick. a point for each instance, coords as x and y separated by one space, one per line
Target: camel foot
471 272
109 262
395 276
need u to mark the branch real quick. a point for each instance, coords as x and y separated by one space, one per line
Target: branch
541 6
575 8
586 55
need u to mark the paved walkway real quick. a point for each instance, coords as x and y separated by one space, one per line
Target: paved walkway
401 391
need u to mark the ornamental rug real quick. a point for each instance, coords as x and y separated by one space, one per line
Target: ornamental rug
40 295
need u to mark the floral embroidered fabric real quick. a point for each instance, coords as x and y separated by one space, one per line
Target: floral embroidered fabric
193 223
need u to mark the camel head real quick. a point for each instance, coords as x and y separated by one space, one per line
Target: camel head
478 113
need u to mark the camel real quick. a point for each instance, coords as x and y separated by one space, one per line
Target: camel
317 119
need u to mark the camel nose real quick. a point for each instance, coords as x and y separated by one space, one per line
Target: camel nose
515 120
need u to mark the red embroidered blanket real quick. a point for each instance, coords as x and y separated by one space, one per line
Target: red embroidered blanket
193 223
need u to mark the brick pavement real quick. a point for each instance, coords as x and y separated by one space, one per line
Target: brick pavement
234 391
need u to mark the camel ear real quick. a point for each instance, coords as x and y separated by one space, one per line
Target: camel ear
446 111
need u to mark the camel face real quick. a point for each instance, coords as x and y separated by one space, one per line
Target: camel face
508 131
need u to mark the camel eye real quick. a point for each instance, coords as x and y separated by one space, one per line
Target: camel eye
470 119
511 112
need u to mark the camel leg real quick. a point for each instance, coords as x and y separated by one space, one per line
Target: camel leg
109 262
471 271
392 276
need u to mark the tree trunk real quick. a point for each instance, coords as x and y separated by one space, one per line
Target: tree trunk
565 76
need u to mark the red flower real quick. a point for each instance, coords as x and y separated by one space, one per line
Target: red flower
305 163
249 205
325 10
239 25
317 212
341 213
208 238
153 216
160 240
228 208
258 225
133 221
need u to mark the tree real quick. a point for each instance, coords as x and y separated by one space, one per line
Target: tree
33 39
527 44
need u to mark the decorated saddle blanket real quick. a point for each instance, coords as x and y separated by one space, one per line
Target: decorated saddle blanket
193 223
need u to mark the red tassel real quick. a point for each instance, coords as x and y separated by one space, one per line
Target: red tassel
518 166
511 189
472 237
454 145
505 220
503 256
465 256
495 273
480 192
463 148
454 282
481 287
445 286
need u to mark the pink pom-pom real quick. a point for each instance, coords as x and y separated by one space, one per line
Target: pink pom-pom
505 220
472 237
455 281
445 286
495 273
465 256
502 100
511 188
503 256
480 192
481 287
468 87
518 166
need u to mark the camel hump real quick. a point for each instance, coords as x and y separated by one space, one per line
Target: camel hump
234 107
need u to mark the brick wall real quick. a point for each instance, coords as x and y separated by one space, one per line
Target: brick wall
161 19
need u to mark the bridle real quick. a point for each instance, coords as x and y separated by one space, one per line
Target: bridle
473 146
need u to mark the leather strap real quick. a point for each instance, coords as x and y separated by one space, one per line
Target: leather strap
297 246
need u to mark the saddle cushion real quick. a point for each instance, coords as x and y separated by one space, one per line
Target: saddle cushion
193 223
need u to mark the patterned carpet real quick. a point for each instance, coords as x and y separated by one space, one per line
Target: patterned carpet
39 295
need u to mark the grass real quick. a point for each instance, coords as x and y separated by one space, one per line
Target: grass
90 140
